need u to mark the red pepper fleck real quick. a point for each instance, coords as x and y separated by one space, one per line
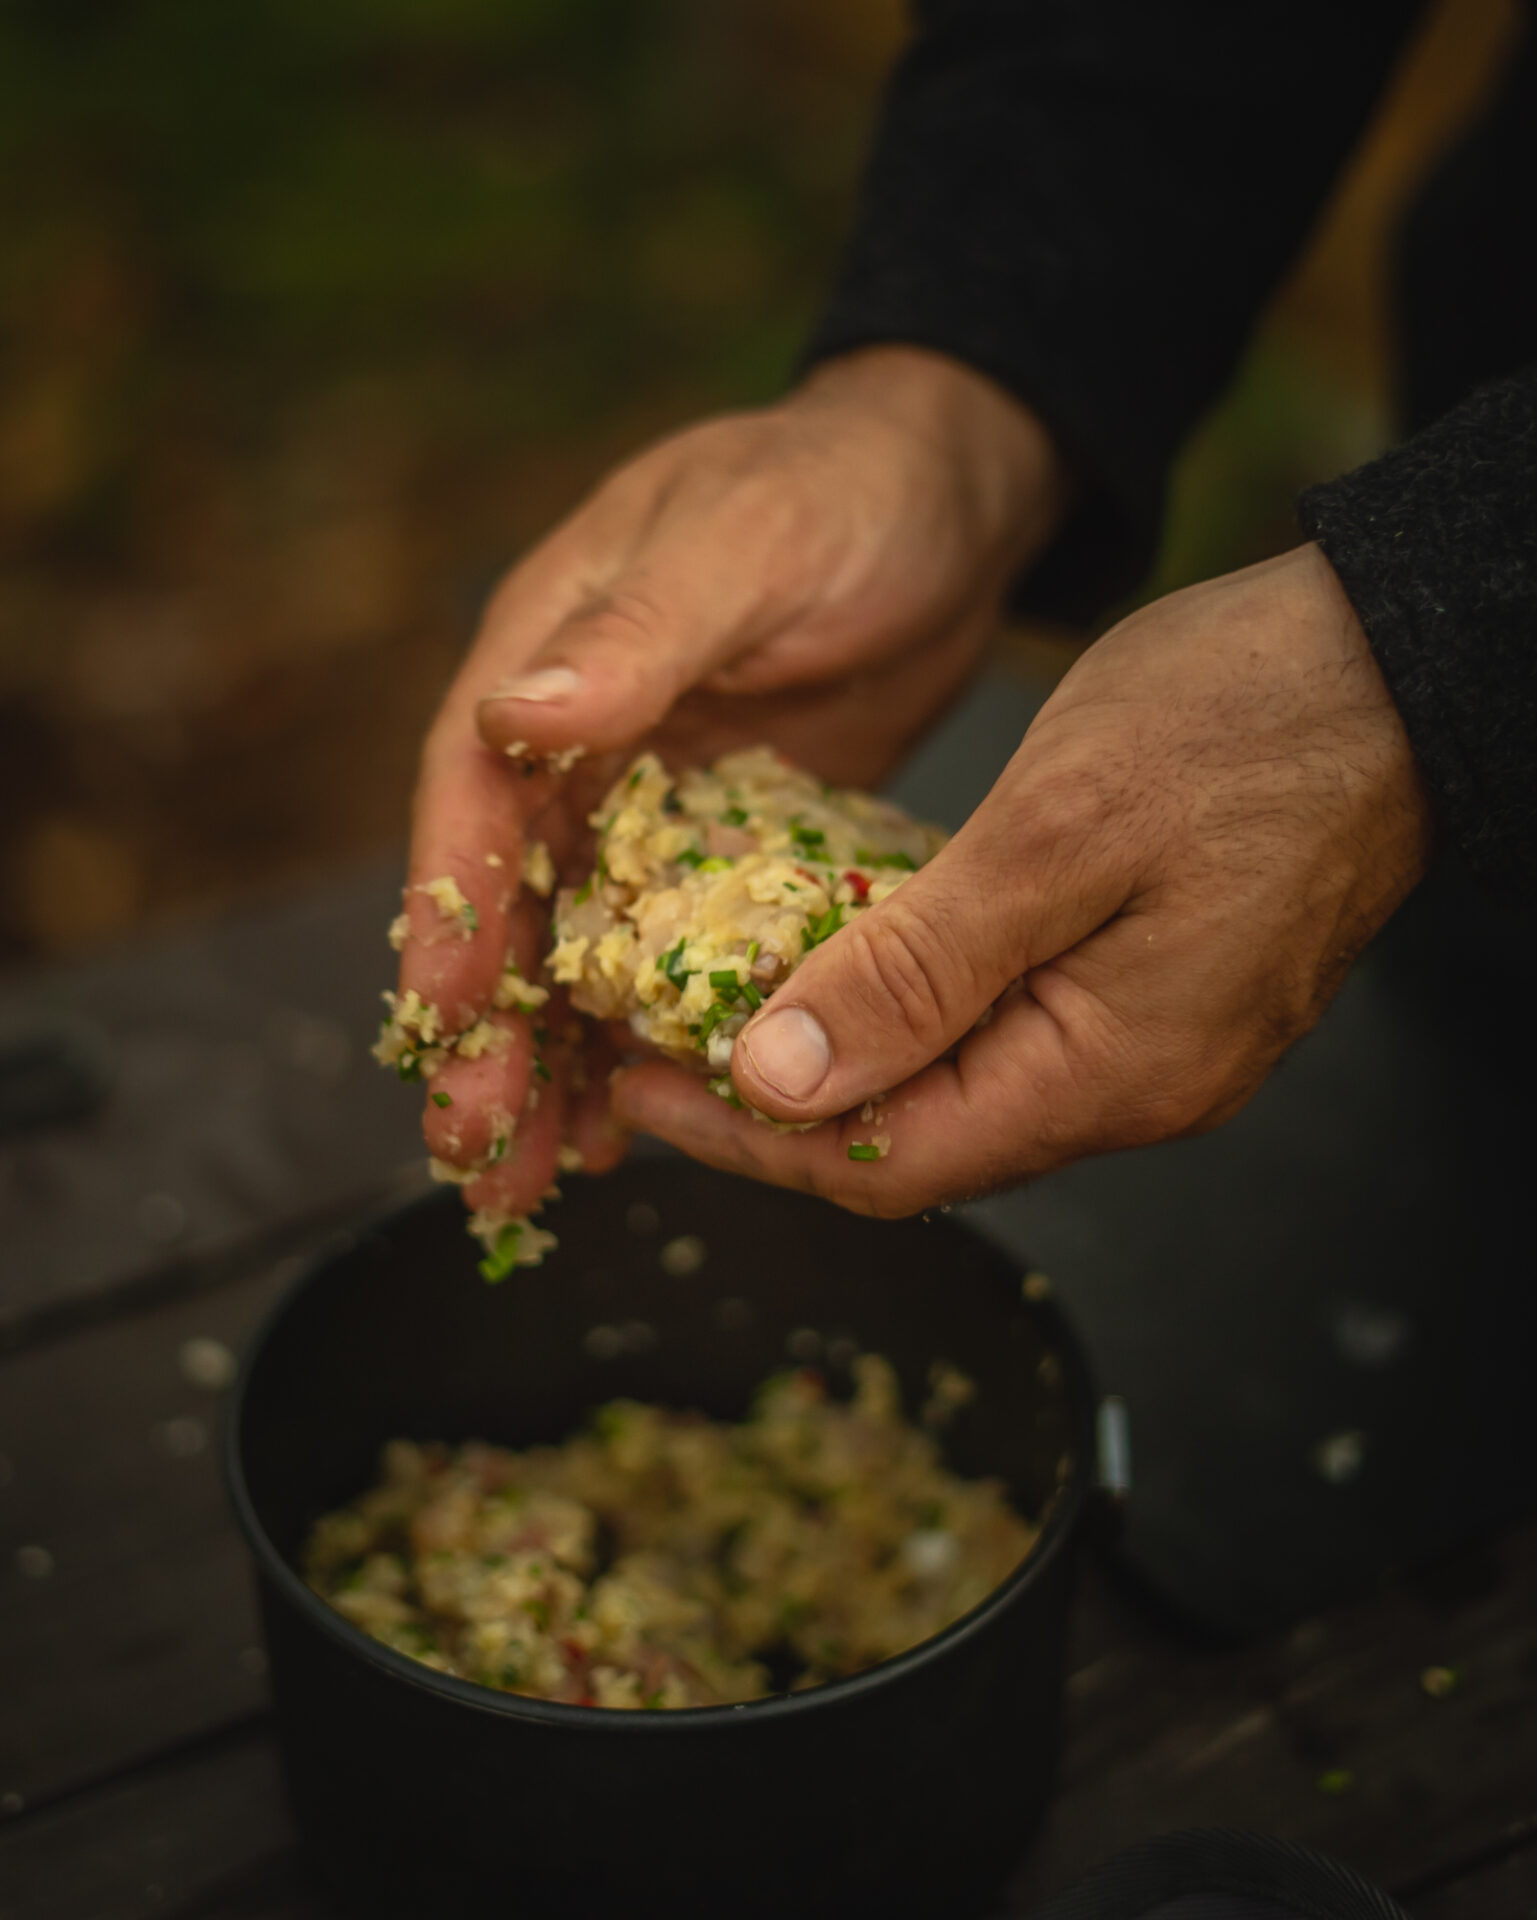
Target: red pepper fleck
858 882
805 874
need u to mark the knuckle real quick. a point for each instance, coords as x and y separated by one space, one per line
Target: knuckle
625 616
898 968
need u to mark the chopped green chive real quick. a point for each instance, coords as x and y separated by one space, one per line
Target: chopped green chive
542 1070
753 951
734 817
724 977
584 892
810 839
538 1612
442 1099
822 928
503 1257
864 1150
409 1066
691 857
470 917
671 803
717 863
865 858
750 994
634 780
499 1145
712 1019
671 963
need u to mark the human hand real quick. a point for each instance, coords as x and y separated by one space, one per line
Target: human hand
821 574
1206 822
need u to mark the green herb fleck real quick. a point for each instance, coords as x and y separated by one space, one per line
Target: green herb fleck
723 1089
750 994
754 949
671 803
864 1150
717 863
691 857
734 817
810 840
538 1612
823 928
503 1257
634 780
470 917
712 1019
442 1099
584 892
542 1070
409 1066
671 963
865 858
499 1144
610 1422
724 977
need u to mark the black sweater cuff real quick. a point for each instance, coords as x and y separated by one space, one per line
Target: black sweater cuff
1436 545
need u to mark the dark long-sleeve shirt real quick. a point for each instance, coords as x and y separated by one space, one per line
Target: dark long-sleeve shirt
1089 200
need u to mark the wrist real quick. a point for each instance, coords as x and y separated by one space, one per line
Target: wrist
997 451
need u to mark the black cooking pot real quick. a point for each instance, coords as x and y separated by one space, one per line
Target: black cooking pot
906 1790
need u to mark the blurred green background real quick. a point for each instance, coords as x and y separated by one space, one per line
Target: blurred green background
313 315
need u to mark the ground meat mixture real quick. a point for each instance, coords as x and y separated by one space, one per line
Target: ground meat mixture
712 887
662 1559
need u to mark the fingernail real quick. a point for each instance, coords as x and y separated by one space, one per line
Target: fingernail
541 688
789 1052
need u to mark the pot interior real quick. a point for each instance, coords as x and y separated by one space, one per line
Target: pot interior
671 1284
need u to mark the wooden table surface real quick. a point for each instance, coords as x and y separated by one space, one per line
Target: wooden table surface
137 1764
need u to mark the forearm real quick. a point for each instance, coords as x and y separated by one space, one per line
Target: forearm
1435 544
1087 201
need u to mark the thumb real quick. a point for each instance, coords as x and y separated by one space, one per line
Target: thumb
904 981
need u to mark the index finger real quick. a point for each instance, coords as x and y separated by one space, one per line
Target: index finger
461 917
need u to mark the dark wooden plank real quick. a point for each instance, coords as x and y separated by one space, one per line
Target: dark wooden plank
126 1620
1505 1889
199 1833
243 1096
1161 1737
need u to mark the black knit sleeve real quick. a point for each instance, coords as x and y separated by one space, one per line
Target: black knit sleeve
1436 545
1089 200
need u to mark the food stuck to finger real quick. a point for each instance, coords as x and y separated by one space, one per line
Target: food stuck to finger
710 889
418 1041
665 1560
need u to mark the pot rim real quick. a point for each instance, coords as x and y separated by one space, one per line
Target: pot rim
1064 1507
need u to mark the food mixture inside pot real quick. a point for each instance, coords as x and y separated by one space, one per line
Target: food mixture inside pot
662 1559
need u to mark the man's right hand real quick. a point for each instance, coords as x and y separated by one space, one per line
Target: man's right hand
820 574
